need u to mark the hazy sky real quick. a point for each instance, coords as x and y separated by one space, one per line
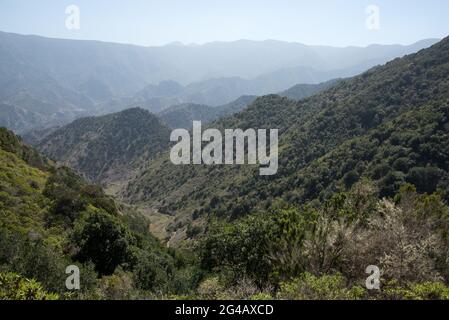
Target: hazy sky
151 22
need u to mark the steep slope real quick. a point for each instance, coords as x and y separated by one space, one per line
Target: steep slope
11 143
51 218
25 174
235 106
396 114
108 147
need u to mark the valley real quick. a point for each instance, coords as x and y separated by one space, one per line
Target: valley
92 174
313 136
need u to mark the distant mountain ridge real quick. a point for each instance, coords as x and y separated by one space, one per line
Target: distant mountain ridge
47 82
302 91
183 115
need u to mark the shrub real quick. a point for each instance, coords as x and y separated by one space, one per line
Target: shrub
326 287
211 289
104 240
417 291
118 286
15 287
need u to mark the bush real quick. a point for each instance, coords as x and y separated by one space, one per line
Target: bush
326 287
15 287
118 286
103 240
211 289
193 231
153 272
425 179
261 296
420 291
40 261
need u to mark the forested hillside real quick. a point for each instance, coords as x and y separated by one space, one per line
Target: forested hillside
363 179
224 157
51 218
388 125
107 148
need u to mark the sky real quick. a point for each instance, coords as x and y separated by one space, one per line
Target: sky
158 22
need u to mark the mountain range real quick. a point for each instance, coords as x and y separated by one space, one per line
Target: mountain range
182 115
362 179
106 148
46 82
388 125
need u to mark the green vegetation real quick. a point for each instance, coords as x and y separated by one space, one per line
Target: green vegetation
388 125
14 287
322 253
51 218
105 148
363 180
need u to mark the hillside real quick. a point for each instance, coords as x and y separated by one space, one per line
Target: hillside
388 125
302 91
109 147
51 218
183 115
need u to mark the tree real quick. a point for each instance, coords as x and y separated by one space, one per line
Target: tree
102 239
425 178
